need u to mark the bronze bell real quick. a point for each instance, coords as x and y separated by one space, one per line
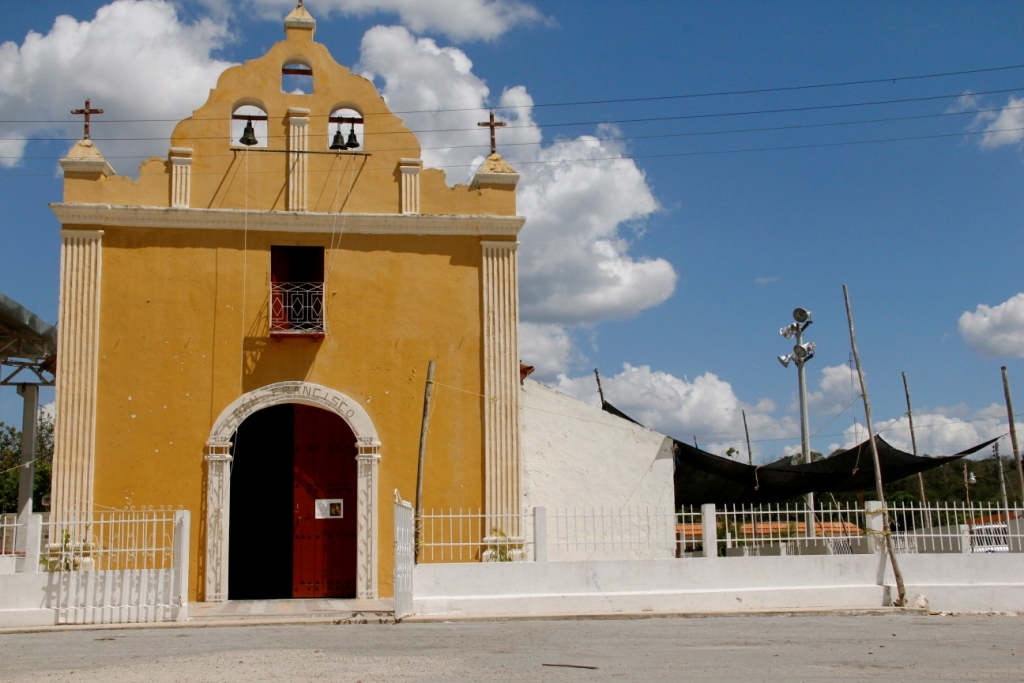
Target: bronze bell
248 135
352 141
339 141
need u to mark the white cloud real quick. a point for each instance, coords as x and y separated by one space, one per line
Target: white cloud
1003 128
111 59
460 20
766 280
838 389
575 262
706 407
936 432
996 331
548 348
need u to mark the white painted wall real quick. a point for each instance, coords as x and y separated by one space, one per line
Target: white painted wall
952 583
575 454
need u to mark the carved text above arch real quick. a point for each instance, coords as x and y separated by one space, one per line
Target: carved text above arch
295 392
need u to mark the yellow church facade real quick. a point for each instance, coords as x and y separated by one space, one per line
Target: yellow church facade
244 331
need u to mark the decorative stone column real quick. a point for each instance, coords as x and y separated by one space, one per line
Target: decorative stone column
181 177
298 144
74 451
218 519
410 169
501 388
368 458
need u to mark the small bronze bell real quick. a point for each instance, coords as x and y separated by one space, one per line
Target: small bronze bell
339 141
248 135
352 141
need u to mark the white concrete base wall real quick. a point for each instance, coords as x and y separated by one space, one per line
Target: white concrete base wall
968 584
965 583
25 599
690 585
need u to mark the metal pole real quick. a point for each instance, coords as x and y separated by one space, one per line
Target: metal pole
879 489
913 442
600 390
1013 430
805 428
750 455
30 409
1002 477
423 447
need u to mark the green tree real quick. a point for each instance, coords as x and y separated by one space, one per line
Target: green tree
10 457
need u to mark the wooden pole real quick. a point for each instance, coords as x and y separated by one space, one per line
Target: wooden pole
879 490
427 391
913 437
1013 430
1002 476
600 391
750 456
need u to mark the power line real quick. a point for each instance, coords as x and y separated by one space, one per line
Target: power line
538 162
620 100
759 129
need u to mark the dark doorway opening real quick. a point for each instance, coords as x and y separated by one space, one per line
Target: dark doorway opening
293 506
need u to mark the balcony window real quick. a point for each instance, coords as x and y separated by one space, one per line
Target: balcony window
297 291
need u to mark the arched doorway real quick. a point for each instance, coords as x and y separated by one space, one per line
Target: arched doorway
217 527
293 475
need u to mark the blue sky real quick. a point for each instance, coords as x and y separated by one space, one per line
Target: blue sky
664 252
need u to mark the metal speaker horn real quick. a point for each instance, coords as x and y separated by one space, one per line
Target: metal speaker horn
248 135
785 360
787 331
803 351
801 315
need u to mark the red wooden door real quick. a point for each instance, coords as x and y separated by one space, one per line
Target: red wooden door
323 550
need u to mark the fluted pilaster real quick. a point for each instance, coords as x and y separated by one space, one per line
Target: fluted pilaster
81 267
501 387
298 144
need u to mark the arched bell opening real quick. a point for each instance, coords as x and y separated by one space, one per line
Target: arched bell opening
249 126
293 506
345 130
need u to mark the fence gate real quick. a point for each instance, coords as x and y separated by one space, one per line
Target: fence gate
404 557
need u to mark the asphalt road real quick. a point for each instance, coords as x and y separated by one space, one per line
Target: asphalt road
726 648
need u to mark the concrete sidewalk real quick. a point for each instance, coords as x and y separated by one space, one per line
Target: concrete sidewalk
340 611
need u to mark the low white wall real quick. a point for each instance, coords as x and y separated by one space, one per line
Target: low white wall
25 600
575 455
954 583
979 582
689 585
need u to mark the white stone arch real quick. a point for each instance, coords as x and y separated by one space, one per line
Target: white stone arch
218 477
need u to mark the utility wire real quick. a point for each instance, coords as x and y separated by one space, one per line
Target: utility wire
649 119
619 100
541 162
623 138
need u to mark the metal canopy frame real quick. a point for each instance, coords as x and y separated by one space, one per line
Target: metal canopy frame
28 346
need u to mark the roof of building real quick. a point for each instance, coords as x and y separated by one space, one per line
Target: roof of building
23 334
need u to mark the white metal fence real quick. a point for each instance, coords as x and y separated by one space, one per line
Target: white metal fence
472 536
120 567
12 542
560 534
956 528
564 534
611 533
791 530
